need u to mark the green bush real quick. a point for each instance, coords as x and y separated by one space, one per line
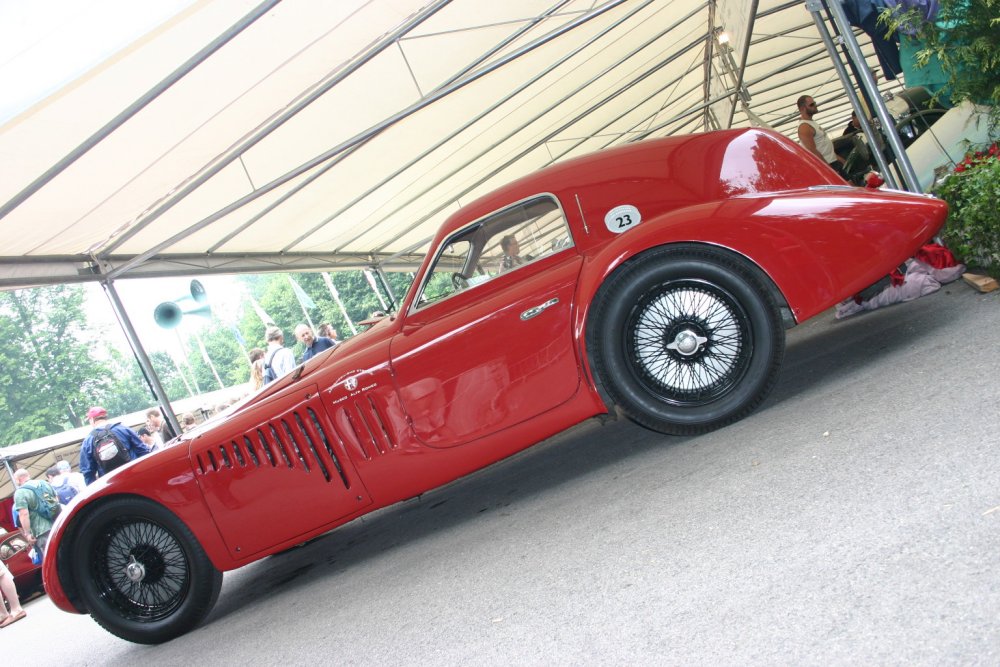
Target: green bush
973 228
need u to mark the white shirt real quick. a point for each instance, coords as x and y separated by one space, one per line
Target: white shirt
823 143
280 358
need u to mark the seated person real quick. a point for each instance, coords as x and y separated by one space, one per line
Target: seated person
853 127
511 254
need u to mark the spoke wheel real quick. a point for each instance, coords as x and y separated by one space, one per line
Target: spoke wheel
684 339
688 342
140 571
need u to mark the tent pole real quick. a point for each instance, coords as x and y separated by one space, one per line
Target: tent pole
140 355
235 152
378 128
867 82
138 105
385 283
866 127
10 472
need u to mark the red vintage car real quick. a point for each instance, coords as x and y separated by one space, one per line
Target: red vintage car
654 280
14 552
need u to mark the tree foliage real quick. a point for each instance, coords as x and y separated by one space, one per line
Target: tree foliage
49 371
55 366
973 227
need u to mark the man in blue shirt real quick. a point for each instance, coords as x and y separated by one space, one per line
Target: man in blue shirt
91 464
312 344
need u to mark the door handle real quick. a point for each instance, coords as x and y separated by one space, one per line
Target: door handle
537 310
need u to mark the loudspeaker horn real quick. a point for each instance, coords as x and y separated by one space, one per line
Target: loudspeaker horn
169 315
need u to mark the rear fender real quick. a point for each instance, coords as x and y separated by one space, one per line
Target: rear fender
815 247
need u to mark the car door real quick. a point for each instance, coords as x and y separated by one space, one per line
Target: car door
498 349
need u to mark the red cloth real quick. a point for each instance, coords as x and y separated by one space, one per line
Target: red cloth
896 278
936 255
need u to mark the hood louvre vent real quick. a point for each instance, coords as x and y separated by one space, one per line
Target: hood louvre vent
251 452
362 424
298 439
377 417
266 446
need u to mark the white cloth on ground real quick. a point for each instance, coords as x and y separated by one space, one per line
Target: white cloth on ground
920 280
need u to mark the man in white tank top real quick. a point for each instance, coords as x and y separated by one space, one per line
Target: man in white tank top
813 137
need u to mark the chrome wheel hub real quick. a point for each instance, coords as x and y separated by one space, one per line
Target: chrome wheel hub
687 343
135 570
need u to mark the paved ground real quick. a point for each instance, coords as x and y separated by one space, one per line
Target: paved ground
855 519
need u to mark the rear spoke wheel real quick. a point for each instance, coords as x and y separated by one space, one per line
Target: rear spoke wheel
688 341
685 339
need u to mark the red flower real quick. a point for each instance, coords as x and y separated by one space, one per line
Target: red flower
960 167
873 180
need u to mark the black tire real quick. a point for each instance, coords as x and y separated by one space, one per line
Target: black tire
685 339
141 572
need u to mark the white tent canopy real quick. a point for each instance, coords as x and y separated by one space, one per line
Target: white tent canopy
317 135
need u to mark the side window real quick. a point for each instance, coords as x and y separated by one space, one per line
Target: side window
446 277
502 242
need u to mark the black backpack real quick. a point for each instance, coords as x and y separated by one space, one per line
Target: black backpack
109 451
269 374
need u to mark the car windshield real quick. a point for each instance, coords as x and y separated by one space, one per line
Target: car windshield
504 241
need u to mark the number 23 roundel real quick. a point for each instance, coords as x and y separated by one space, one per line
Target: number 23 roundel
622 218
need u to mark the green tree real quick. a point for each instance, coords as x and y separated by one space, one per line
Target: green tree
49 375
123 389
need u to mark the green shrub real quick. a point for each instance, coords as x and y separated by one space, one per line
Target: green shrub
973 228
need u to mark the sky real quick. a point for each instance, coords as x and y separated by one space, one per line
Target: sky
45 44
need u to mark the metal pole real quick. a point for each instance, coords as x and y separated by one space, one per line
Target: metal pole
814 7
340 304
868 82
138 105
10 472
208 360
378 128
371 283
140 354
393 301
180 372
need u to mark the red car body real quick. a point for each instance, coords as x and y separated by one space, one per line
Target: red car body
463 376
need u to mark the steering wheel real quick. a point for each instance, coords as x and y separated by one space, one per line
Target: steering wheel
459 282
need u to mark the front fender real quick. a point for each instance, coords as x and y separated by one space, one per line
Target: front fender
165 477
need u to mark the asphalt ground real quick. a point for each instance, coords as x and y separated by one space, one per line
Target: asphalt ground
853 519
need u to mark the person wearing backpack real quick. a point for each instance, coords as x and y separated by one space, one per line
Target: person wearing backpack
278 360
75 479
36 507
60 483
108 446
